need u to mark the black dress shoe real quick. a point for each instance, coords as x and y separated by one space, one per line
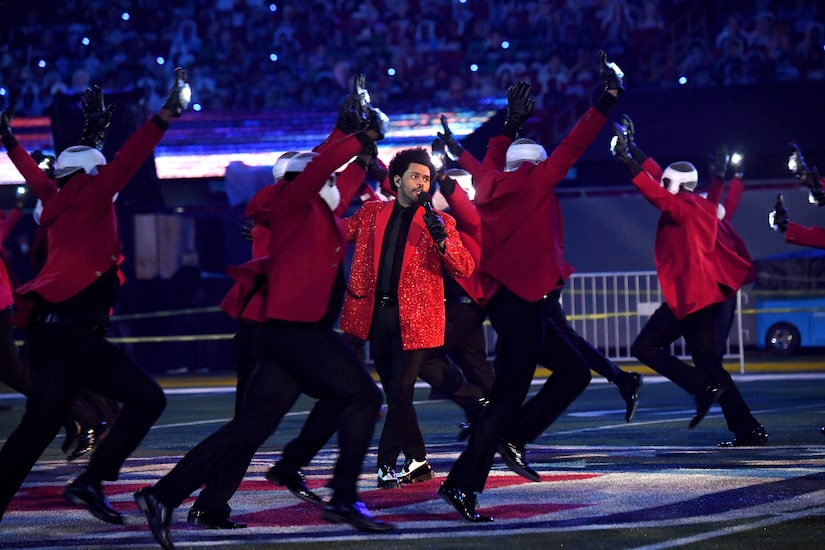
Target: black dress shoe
705 399
85 443
72 435
202 518
464 503
630 392
415 471
355 514
756 438
293 481
91 496
516 459
158 515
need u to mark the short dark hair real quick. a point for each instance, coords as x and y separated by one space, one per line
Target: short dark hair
402 160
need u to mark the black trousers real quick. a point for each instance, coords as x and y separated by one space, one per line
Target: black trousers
699 330
737 413
292 358
518 324
397 370
88 409
224 481
702 331
66 356
595 359
459 369
561 353
12 370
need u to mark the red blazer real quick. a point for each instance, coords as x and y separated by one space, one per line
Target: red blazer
805 236
468 225
695 269
421 286
81 226
522 237
7 223
727 233
307 244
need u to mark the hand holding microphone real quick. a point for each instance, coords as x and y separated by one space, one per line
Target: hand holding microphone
435 225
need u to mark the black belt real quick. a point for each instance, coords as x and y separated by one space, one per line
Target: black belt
386 301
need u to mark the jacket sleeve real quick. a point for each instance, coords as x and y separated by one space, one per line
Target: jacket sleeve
717 187
349 182
41 185
735 189
572 147
660 197
469 163
306 185
805 236
457 259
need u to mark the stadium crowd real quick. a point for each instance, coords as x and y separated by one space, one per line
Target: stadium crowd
252 55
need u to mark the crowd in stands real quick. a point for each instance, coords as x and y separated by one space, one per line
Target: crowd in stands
253 54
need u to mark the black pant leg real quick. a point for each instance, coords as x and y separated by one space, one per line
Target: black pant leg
651 347
518 325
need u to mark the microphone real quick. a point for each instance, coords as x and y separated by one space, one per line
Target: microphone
426 200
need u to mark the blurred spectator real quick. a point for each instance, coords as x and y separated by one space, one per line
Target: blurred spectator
615 26
810 53
763 31
254 56
185 45
731 32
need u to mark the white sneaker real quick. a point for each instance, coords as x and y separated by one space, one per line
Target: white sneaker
387 478
415 471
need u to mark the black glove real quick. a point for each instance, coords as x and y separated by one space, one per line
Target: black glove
349 115
6 136
814 183
737 163
610 74
619 145
620 149
435 225
379 122
446 184
44 162
797 164
246 229
368 153
454 148
629 127
97 116
376 170
778 218
180 94
5 123
629 130
720 161
361 95
439 155
519 107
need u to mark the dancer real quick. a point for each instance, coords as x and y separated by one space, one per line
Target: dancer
70 300
698 273
296 347
519 266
